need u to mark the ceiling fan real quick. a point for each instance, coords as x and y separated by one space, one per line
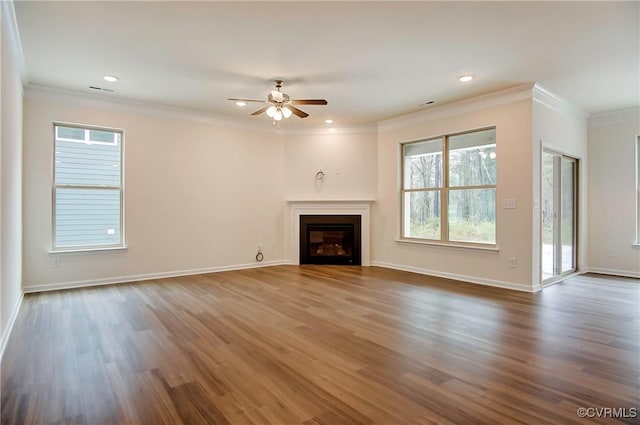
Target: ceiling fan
280 106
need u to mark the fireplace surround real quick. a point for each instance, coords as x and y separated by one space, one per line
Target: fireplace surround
300 208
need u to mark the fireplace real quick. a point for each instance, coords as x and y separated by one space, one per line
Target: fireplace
330 239
327 207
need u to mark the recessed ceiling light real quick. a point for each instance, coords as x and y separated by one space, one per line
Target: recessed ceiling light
241 104
111 78
328 121
466 78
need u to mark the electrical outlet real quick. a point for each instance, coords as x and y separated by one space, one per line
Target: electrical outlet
54 262
611 252
259 247
513 262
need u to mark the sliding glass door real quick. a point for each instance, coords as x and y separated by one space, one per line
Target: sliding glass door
559 216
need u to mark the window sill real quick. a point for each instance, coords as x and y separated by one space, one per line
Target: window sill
488 249
88 250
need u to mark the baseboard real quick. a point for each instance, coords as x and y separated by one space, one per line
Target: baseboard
613 272
455 276
12 321
134 278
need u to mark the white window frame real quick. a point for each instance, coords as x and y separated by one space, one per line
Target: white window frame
87 128
444 190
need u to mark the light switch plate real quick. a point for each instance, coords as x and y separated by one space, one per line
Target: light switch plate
509 203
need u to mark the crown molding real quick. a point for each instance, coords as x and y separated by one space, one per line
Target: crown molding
465 106
9 21
617 116
331 131
530 91
110 102
557 103
118 104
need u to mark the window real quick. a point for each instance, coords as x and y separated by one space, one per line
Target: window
87 188
449 188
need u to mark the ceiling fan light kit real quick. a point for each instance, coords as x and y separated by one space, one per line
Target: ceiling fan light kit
280 105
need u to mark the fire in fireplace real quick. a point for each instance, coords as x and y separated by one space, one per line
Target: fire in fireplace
330 239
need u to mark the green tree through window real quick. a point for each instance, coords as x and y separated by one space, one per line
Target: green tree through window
449 188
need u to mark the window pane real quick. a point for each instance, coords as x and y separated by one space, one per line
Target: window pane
472 215
86 217
103 136
422 215
70 133
567 213
472 159
548 216
423 164
87 164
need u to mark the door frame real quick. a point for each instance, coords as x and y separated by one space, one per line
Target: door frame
560 275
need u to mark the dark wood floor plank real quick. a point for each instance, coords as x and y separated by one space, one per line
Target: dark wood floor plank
327 345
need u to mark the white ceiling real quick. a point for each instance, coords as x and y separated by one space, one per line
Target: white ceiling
370 60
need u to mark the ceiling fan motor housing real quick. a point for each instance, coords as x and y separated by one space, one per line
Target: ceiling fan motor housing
278 97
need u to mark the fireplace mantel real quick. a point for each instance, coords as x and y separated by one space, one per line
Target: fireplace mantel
361 207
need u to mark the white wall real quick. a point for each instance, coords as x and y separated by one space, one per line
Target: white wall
348 158
510 111
560 127
612 193
199 194
10 173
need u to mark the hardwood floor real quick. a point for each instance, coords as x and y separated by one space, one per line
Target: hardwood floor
325 345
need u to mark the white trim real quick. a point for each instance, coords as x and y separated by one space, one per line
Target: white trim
465 106
556 103
614 272
329 201
12 321
490 249
149 276
88 250
455 276
112 102
558 279
558 150
363 129
332 207
620 115
123 105
14 39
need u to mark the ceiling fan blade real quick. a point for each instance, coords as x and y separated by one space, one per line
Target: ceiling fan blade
297 112
261 110
247 100
309 101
